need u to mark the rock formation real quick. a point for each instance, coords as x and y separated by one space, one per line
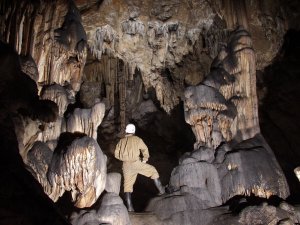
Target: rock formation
81 169
86 120
219 169
83 69
111 211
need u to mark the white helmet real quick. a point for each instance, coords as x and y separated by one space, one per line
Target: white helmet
130 129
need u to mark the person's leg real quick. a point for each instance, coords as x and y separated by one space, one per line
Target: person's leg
129 180
150 171
128 201
159 186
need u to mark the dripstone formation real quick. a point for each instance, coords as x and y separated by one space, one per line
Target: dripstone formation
73 73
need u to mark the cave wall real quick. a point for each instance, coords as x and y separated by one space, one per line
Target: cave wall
172 35
111 62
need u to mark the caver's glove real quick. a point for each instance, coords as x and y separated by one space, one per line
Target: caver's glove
144 160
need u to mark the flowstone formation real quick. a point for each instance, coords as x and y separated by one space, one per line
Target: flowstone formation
230 157
225 102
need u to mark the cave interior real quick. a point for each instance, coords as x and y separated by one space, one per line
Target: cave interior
213 88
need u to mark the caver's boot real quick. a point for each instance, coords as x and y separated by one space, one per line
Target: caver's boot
159 186
128 201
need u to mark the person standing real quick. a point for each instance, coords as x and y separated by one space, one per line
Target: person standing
128 151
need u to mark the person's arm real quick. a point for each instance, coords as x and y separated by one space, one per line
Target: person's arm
144 149
117 150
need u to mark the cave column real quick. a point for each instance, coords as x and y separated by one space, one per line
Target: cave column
122 75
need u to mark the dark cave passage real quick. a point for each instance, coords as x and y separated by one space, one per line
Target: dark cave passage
167 137
280 109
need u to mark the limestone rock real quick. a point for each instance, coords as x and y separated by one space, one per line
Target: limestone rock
29 67
81 169
200 179
86 120
27 132
113 183
111 209
90 92
182 209
141 111
39 159
251 168
51 132
147 219
263 214
147 44
57 94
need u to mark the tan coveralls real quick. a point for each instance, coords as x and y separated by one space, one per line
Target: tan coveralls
128 150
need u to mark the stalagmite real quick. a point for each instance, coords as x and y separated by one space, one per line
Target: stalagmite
81 169
223 109
241 64
112 209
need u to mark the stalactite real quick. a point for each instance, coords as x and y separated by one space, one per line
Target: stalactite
122 80
133 27
229 89
103 41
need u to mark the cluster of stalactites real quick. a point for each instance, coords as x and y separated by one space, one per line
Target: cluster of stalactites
161 45
103 41
54 38
207 111
61 58
112 75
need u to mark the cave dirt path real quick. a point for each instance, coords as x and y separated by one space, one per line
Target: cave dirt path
144 218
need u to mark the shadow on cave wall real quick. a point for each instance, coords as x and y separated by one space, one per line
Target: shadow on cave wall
280 108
